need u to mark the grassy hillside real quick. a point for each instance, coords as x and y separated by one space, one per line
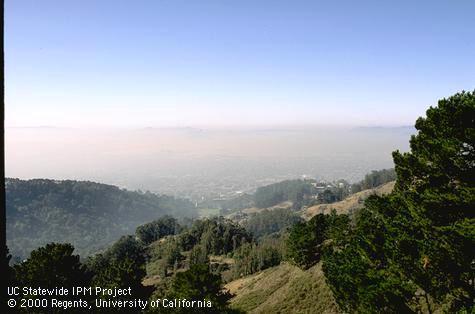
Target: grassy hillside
252 210
283 289
349 204
86 214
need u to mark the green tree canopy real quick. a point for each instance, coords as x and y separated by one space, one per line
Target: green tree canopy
53 265
436 179
198 283
122 266
305 243
157 229
422 236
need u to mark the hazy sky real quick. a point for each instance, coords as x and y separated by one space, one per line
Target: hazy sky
178 63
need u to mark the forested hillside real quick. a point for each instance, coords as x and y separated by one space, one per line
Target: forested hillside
296 191
374 179
89 215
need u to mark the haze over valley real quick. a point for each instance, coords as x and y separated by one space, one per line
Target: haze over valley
199 163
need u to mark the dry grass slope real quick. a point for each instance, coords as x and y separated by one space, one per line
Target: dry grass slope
283 289
349 204
252 210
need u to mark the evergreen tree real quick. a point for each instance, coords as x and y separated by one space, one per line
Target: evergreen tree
157 229
198 283
422 236
121 266
437 181
305 241
53 265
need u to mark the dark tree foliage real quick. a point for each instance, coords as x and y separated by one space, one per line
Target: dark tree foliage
270 221
296 191
437 181
166 254
359 266
173 254
422 236
306 240
302 244
122 266
89 215
216 236
10 273
53 265
198 283
374 179
127 247
169 249
198 255
253 257
327 197
157 229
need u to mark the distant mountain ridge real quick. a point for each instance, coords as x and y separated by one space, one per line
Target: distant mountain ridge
87 214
